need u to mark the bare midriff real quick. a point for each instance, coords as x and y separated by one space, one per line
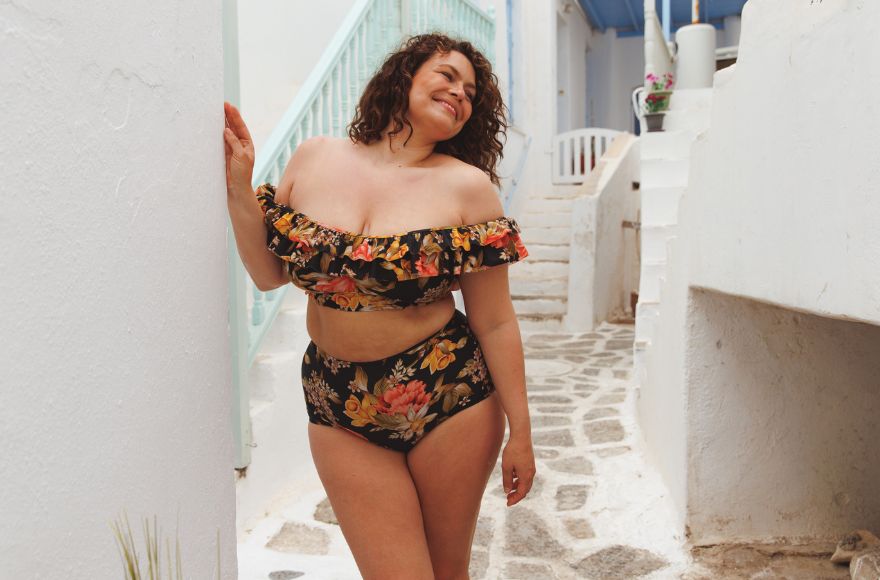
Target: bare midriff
376 334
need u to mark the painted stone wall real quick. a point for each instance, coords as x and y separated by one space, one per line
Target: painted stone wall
116 392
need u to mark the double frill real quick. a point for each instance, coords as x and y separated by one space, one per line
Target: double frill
356 272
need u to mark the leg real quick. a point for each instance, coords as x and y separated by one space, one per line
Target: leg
451 466
375 501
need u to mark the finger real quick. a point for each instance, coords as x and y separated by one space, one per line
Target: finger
507 478
523 487
233 142
237 124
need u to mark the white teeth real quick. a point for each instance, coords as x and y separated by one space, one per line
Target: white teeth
448 106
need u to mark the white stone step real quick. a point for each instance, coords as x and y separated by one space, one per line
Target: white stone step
556 252
693 120
540 323
552 287
689 99
646 315
660 205
650 281
545 205
546 235
536 270
654 240
540 305
664 173
548 219
666 145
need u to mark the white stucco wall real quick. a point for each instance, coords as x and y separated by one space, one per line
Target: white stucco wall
788 193
782 427
116 392
602 254
754 408
279 43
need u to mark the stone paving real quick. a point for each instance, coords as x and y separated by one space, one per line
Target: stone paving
596 510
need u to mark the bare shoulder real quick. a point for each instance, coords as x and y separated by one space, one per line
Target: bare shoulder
303 157
477 195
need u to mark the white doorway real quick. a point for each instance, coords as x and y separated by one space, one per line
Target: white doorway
563 109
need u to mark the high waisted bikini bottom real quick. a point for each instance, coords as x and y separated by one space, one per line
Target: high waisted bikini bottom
395 401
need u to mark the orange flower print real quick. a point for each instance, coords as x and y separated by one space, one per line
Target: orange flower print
400 399
396 250
495 238
460 240
346 301
361 413
520 247
337 284
363 252
283 224
426 268
301 243
440 357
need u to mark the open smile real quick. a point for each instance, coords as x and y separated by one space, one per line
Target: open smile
448 107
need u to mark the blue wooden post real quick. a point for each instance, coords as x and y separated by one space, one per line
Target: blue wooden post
238 317
666 20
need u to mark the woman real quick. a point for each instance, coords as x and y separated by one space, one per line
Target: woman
406 395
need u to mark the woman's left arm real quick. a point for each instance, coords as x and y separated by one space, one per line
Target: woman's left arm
493 321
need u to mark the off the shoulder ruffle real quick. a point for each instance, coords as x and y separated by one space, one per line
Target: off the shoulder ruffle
450 250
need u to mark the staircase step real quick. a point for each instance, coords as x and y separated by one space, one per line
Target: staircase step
546 219
660 205
666 145
554 252
540 305
534 270
544 205
690 99
552 287
654 240
664 173
540 323
693 120
546 235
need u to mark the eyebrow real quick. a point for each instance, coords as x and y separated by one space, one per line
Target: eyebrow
471 85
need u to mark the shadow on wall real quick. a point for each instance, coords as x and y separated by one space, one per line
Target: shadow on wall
782 422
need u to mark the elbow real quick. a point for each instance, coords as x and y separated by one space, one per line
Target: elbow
267 285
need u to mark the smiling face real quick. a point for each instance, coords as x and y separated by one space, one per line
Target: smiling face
441 96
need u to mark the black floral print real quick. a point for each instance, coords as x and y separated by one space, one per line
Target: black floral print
350 271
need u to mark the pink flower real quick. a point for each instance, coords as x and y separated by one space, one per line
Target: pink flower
363 252
401 398
338 284
424 267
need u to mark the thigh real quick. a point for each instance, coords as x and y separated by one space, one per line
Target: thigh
450 467
373 496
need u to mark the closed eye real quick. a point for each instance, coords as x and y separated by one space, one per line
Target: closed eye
449 77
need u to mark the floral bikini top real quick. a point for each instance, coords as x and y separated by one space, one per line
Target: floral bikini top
349 271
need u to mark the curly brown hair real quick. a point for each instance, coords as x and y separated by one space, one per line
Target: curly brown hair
386 99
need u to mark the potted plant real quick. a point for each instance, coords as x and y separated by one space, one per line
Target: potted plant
657 100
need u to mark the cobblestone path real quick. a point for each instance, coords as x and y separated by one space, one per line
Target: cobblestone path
595 510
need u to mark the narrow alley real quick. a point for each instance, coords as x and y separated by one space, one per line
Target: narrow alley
596 509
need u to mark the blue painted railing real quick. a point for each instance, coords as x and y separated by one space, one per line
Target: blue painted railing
324 106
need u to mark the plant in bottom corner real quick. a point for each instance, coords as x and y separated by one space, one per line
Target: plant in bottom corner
152 537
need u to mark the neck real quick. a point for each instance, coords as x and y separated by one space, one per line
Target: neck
390 150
